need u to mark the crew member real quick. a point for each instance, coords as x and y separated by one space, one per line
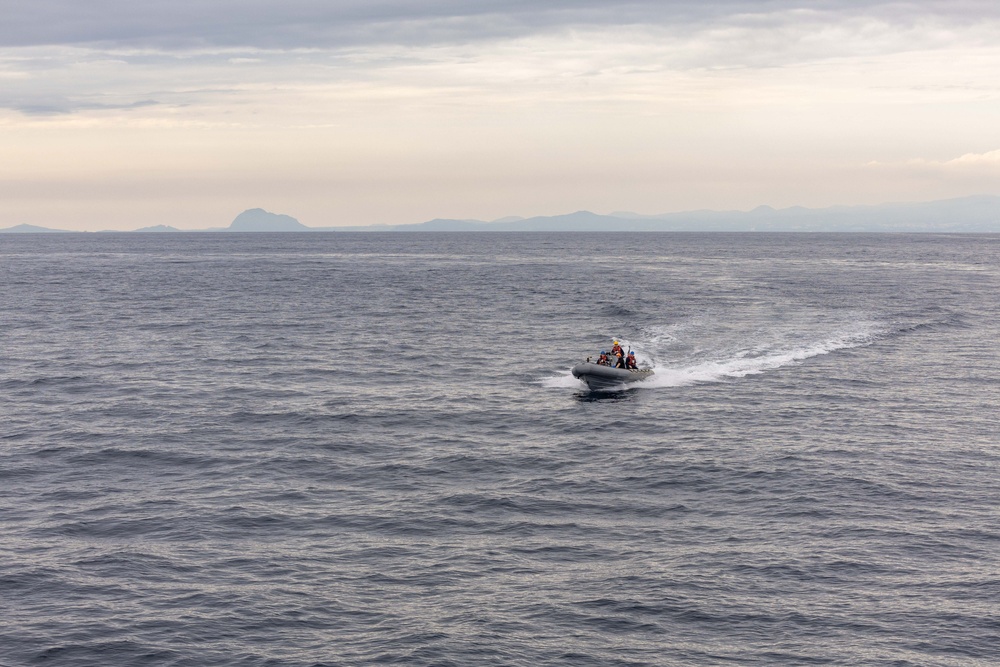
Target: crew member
603 359
630 362
616 349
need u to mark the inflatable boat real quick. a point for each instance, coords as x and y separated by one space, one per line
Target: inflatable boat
598 376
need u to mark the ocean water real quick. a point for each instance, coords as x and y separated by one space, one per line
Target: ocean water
351 449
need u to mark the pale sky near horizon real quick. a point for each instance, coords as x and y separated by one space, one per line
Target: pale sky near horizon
119 114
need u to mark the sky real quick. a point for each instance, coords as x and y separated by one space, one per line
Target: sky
119 114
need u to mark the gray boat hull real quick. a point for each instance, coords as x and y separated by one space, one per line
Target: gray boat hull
606 377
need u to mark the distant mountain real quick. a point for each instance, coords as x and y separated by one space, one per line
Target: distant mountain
158 229
259 220
581 221
30 229
966 214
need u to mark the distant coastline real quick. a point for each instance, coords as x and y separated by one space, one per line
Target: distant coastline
974 214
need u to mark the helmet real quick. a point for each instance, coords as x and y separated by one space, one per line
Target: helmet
615 342
631 354
604 352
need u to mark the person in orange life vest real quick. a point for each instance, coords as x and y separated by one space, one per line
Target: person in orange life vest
603 359
616 349
630 362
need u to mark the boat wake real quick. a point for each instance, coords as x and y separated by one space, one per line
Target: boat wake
703 349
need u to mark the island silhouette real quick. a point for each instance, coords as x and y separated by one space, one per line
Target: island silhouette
976 214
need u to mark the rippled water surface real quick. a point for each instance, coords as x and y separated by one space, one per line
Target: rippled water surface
350 449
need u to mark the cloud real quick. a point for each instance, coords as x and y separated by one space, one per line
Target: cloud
266 24
988 161
65 106
568 103
715 61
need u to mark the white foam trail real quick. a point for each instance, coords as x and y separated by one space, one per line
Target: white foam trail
760 358
706 349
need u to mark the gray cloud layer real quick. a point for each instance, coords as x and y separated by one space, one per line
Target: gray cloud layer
186 24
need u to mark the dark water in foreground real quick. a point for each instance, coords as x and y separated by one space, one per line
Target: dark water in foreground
367 449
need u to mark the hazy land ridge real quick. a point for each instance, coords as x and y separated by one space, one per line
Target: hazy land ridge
978 213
